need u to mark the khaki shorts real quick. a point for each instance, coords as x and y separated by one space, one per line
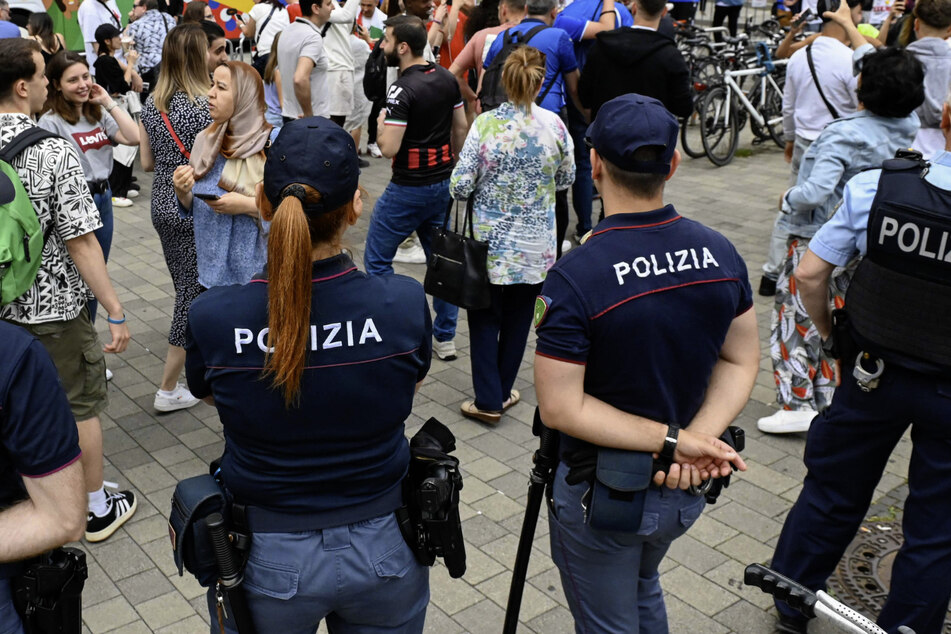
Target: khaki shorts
80 362
340 90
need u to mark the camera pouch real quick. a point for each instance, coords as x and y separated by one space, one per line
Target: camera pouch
619 490
195 499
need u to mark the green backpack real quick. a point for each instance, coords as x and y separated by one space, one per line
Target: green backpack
21 238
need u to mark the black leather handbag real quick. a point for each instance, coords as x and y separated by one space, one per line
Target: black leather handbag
457 271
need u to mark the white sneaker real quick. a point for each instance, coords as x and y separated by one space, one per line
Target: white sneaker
566 246
445 350
786 422
410 252
119 201
180 398
108 374
132 193
374 150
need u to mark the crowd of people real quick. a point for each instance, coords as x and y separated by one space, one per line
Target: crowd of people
516 111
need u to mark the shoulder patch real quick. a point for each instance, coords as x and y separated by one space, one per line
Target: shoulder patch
542 304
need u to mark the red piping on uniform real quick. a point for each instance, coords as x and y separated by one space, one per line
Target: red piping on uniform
655 224
666 288
43 475
316 279
549 356
317 367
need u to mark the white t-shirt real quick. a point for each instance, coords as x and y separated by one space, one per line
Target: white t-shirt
91 14
303 39
804 112
880 9
374 25
337 39
278 22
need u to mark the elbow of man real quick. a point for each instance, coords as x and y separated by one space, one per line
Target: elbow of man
73 525
552 416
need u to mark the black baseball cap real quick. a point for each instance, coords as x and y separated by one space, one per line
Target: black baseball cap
630 122
314 151
105 32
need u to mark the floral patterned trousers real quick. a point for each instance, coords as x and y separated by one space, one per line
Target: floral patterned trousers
805 376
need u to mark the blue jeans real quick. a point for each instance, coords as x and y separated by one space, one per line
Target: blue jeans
400 211
9 620
583 187
611 580
103 236
362 578
497 337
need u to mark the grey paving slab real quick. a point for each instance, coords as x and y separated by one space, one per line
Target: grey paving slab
134 587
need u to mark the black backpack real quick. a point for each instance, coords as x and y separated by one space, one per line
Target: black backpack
374 75
493 93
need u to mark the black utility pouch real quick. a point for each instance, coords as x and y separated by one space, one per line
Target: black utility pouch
48 595
619 490
194 500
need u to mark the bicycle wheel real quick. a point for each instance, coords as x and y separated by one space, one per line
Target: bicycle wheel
719 132
690 132
772 111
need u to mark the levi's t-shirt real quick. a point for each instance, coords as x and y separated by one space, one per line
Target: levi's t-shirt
93 141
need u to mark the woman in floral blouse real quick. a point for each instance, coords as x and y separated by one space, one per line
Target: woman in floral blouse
514 160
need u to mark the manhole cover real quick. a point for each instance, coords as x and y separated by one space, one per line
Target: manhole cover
863 577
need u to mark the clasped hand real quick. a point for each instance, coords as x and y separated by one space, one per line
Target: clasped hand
699 457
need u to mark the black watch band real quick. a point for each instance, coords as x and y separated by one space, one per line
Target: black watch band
670 443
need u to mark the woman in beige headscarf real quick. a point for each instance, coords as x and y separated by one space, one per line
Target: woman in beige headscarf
217 186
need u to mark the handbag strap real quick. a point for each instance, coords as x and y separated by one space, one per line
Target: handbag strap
178 142
815 79
467 219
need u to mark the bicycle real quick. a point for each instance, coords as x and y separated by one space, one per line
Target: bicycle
818 605
721 118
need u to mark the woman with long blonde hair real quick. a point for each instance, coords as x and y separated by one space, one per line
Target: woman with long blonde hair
313 366
172 116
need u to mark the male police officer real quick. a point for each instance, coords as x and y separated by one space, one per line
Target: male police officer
644 330
41 476
895 371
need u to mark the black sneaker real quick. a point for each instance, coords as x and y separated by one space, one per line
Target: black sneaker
364 162
767 287
121 505
792 624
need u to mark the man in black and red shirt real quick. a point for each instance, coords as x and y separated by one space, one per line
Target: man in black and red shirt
422 129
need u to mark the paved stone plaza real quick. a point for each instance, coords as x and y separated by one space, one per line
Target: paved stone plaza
133 585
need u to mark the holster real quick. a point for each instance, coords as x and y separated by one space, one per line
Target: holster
843 342
619 490
194 500
48 595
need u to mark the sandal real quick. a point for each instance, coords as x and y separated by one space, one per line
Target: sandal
469 409
514 397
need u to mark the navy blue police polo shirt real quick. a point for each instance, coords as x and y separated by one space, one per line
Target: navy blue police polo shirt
38 435
341 454
645 305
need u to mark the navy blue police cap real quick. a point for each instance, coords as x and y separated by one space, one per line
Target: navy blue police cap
313 151
630 122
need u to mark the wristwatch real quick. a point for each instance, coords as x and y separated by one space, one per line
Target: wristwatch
670 443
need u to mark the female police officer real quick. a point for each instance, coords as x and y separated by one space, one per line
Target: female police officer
312 366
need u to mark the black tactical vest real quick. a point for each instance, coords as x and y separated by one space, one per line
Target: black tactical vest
899 301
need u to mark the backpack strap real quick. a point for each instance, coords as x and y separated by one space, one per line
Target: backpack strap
532 32
260 30
30 136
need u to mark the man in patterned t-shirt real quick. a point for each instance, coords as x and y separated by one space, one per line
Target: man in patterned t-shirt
54 308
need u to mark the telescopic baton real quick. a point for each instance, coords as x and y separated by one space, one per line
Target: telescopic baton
542 474
229 578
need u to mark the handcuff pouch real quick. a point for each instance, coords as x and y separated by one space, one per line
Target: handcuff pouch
619 490
195 499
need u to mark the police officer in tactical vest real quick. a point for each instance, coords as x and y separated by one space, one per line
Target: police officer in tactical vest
894 342
646 344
